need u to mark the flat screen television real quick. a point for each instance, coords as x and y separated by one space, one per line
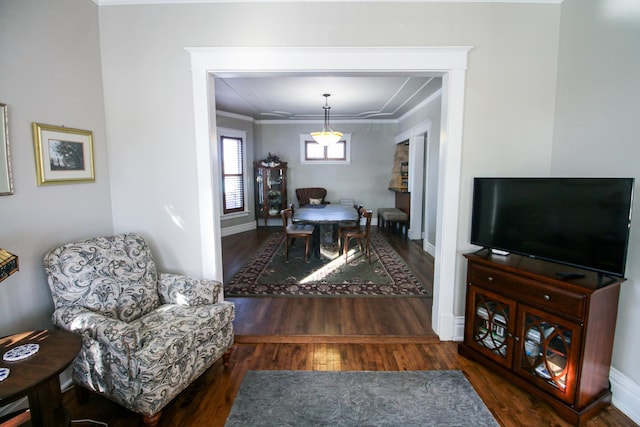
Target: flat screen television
582 222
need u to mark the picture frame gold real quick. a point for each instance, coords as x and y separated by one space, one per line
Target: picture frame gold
6 181
63 155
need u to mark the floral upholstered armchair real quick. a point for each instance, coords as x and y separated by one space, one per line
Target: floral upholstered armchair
146 335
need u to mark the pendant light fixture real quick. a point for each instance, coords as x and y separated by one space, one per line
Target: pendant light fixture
326 136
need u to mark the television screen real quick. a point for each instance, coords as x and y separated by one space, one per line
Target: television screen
583 222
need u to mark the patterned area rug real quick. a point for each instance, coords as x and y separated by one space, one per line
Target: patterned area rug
267 273
362 398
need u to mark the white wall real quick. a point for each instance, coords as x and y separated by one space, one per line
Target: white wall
365 179
430 112
596 132
50 73
509 97
50 65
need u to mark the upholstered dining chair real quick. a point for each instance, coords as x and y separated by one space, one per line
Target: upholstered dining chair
311 196
361 235
145 335
349 225
293 231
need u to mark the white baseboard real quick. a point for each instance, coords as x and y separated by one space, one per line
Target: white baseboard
235 229
626 395
458 328
16 406
431 249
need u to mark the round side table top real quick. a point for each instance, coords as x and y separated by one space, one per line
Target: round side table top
57 349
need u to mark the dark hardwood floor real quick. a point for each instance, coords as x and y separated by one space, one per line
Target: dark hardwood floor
330 319
328 334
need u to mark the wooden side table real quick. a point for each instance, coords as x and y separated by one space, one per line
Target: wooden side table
38 376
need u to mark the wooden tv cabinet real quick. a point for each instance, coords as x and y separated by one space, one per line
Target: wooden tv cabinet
551 336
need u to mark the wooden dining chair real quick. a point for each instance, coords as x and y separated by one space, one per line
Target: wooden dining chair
360 235
293 231
349 225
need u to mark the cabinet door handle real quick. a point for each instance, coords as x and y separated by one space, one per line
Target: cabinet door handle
546 297
490 279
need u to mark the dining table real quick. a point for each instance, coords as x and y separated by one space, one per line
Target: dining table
325 217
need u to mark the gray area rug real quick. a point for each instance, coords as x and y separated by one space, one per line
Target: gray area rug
362 398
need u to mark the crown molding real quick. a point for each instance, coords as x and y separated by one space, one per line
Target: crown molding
152 2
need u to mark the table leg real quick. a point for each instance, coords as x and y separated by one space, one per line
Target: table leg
45 404
315 242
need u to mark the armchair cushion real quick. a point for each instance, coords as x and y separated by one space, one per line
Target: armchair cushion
178 289
146 335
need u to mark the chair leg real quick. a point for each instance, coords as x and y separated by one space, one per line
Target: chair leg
153 420
226 357
286 248
306 248
82 394
368 249
346 249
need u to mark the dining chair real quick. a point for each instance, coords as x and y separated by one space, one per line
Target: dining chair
305 196
293 231
349 225
361 235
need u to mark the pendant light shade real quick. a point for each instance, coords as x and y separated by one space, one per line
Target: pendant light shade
326 136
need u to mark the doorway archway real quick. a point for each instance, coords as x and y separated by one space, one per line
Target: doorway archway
451 62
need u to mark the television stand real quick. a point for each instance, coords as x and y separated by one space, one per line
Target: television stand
550 336
569 276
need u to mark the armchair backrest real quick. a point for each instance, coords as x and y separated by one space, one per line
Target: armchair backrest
304 194
112 275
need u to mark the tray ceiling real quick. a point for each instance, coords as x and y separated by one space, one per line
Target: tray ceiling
370 97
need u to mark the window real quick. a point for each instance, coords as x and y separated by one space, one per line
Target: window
232 155
311 152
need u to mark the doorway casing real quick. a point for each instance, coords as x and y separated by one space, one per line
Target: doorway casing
451 62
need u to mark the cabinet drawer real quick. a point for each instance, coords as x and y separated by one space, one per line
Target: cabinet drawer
530 292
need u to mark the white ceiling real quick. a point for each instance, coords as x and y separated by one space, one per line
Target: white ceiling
353 97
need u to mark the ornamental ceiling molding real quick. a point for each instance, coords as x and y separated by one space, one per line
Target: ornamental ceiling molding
151 2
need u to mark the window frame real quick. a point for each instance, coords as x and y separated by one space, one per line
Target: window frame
242 136
305 137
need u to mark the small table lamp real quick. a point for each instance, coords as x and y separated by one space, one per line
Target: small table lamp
8 264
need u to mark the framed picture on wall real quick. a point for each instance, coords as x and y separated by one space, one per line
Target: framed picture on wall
6 184
63 155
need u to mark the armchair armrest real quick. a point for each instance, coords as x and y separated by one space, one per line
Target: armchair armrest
112 332
183 290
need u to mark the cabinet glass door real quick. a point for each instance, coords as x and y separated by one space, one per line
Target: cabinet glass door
274 185
271 190
547 353
491 330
